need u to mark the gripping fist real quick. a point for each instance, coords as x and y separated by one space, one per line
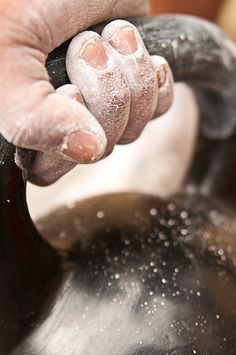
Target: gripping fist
116 86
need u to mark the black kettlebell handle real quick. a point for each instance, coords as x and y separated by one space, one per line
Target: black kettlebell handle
199 54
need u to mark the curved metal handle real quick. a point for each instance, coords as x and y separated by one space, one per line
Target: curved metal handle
199 54
202 56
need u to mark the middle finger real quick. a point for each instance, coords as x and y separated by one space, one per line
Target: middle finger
134 60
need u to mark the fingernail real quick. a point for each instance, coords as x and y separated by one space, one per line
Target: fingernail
77 96
124 41
83 148
162 76
71 91
94 53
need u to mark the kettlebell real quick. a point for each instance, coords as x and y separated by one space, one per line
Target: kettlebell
133 274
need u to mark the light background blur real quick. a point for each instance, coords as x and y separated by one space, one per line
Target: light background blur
223 12
203 8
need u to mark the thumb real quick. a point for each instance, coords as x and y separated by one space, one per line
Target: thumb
58 124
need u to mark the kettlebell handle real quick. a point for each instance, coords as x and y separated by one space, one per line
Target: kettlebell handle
199 54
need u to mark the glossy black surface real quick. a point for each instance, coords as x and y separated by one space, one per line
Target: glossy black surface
29 267
145 277
130 274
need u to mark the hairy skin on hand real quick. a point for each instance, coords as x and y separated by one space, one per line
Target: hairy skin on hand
50 23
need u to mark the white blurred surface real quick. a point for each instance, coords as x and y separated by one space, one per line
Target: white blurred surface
156 163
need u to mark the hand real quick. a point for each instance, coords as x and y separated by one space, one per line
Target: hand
119 102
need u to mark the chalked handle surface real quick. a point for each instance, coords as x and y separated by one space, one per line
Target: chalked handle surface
199 54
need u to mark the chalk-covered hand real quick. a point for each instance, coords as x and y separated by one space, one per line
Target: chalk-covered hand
116 86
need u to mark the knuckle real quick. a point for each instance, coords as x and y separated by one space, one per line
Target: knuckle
12 132
21 137
22 133
130 136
